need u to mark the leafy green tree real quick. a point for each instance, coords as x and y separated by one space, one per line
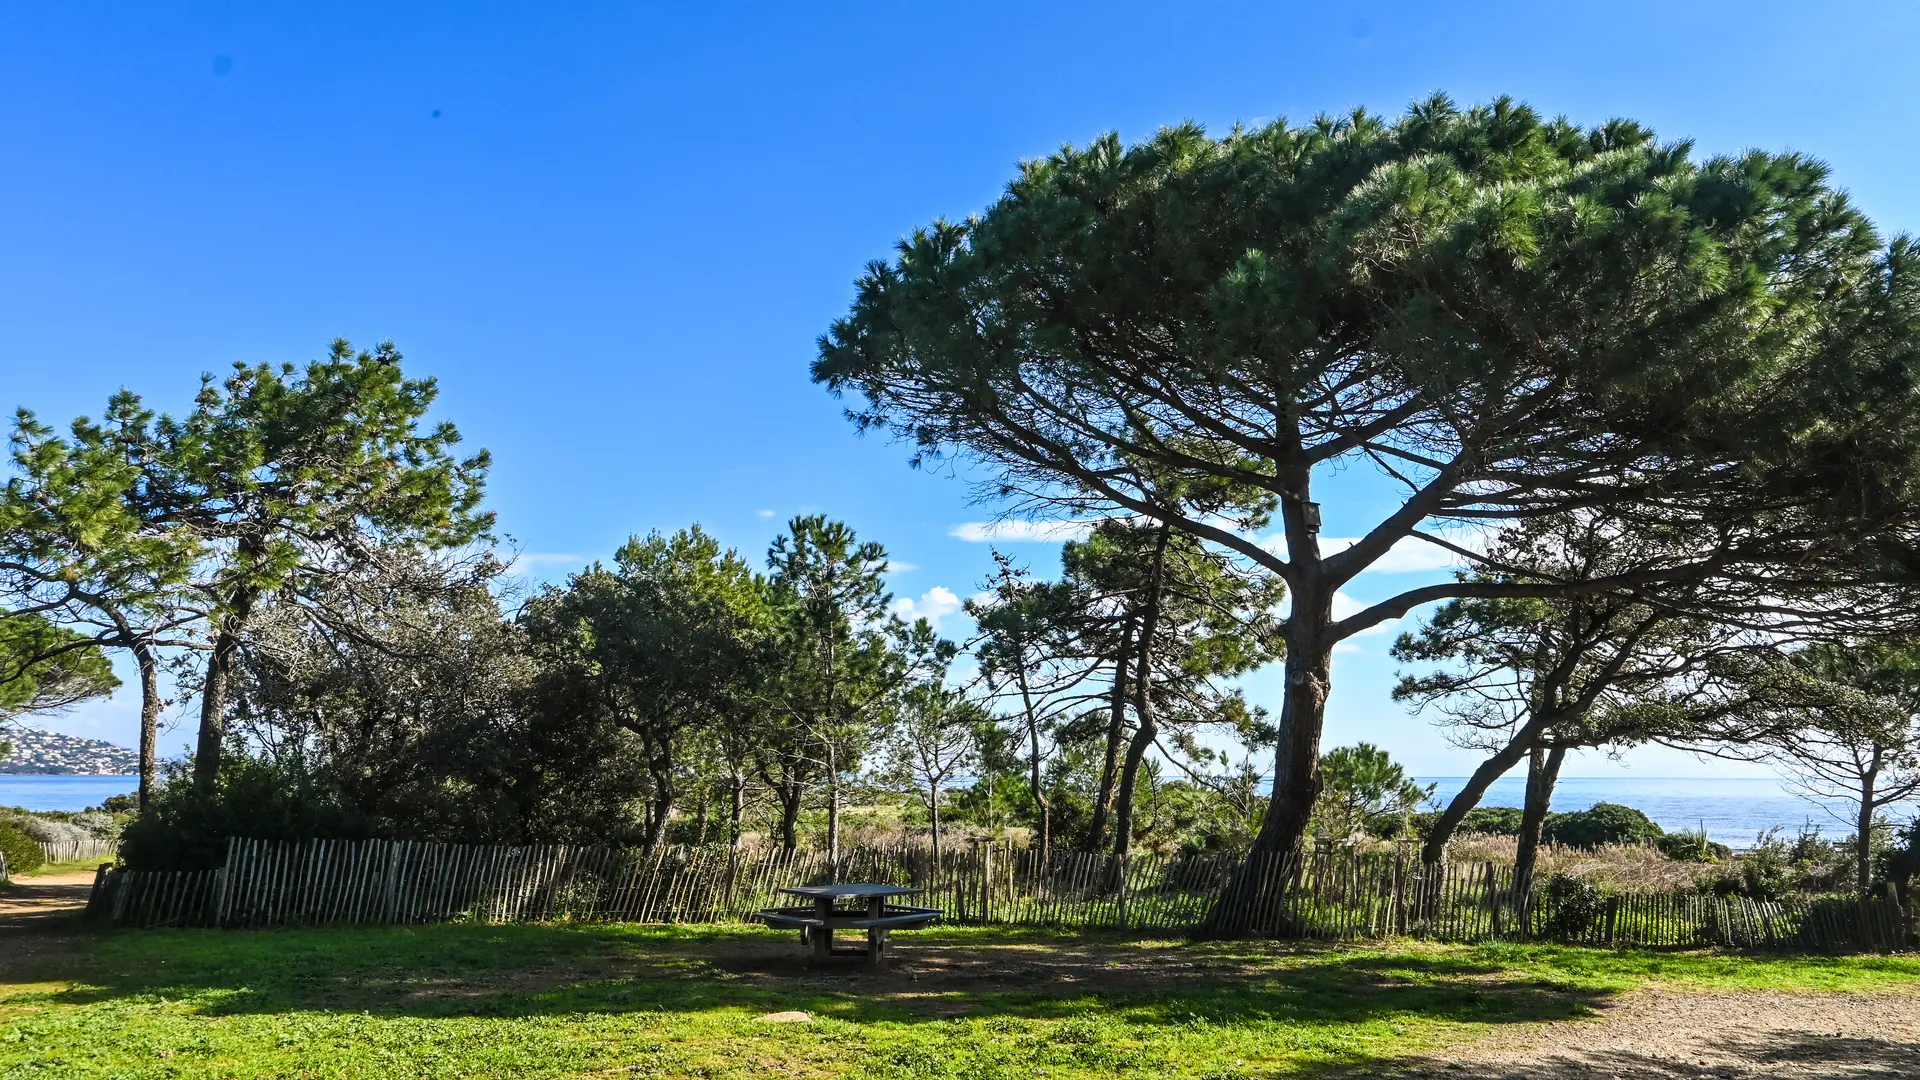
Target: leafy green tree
1031 657
83 544
673 638
45 668
289 475
1171 620
935 733
842 658
1845 722
1507 316
1531 678
1364 782
399 690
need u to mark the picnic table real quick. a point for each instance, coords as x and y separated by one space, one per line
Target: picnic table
871 912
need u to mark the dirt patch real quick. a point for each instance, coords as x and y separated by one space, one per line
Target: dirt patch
1675 1035
36 914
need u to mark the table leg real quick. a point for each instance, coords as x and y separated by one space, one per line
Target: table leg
823 936
876 935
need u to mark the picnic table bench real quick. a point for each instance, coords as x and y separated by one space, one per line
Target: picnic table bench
818 920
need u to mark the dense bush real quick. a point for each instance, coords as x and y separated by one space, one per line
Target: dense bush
1775 867
186 829
1692 847
1572 907
49 830
1602 823
23 854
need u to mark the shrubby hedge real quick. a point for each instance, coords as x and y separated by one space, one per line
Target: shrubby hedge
22 851
1601 823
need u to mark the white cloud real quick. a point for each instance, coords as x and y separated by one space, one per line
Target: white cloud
935 604
1022 531
1411 555
528 562
764 513
894 566
1344 606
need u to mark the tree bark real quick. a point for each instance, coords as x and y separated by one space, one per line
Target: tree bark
1146 719
1303 704
790 793
833 810
1035 787
736 807
1863 840
1116 730
149 665
933 817
213 692
1543 772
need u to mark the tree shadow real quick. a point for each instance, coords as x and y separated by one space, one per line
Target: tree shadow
1733 1054
541 971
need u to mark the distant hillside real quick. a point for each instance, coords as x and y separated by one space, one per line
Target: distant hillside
45 753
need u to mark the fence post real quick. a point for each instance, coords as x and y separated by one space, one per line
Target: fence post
220 888
986 881
1120 909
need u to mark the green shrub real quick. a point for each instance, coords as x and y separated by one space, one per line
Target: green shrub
187 829
1492 821
1572 907
1774 867
23 854
1692 847
1602 823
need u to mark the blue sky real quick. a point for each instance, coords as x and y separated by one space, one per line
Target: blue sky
613 231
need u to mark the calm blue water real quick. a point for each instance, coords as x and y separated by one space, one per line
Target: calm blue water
63 792
1733 811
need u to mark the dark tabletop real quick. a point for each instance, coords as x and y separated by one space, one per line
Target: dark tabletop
837 892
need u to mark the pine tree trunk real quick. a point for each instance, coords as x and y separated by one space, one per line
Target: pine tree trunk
933 817
1434 850
1543 772
736 807
1116 732
213 691
1296 757
1863 839
790 792
833 811
149 718
1035 787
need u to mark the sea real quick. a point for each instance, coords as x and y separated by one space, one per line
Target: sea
1732 811
63 792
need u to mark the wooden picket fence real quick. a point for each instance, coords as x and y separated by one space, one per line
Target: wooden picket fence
76 850
1332 895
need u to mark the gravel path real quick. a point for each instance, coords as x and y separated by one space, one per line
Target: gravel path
1674 1035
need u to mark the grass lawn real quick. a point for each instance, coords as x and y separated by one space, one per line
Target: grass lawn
626 1001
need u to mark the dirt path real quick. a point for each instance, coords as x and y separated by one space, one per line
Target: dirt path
35 913
1674 1035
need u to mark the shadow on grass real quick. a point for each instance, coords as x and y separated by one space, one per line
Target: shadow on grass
1734 1053
534 971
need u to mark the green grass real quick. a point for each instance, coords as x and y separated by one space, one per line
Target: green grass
74 866
538 1001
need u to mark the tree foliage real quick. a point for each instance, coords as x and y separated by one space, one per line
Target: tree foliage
1508 316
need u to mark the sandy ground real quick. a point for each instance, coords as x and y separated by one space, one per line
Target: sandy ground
35 913
1673 1035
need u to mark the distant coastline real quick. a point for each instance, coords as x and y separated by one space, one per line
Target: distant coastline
47 753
